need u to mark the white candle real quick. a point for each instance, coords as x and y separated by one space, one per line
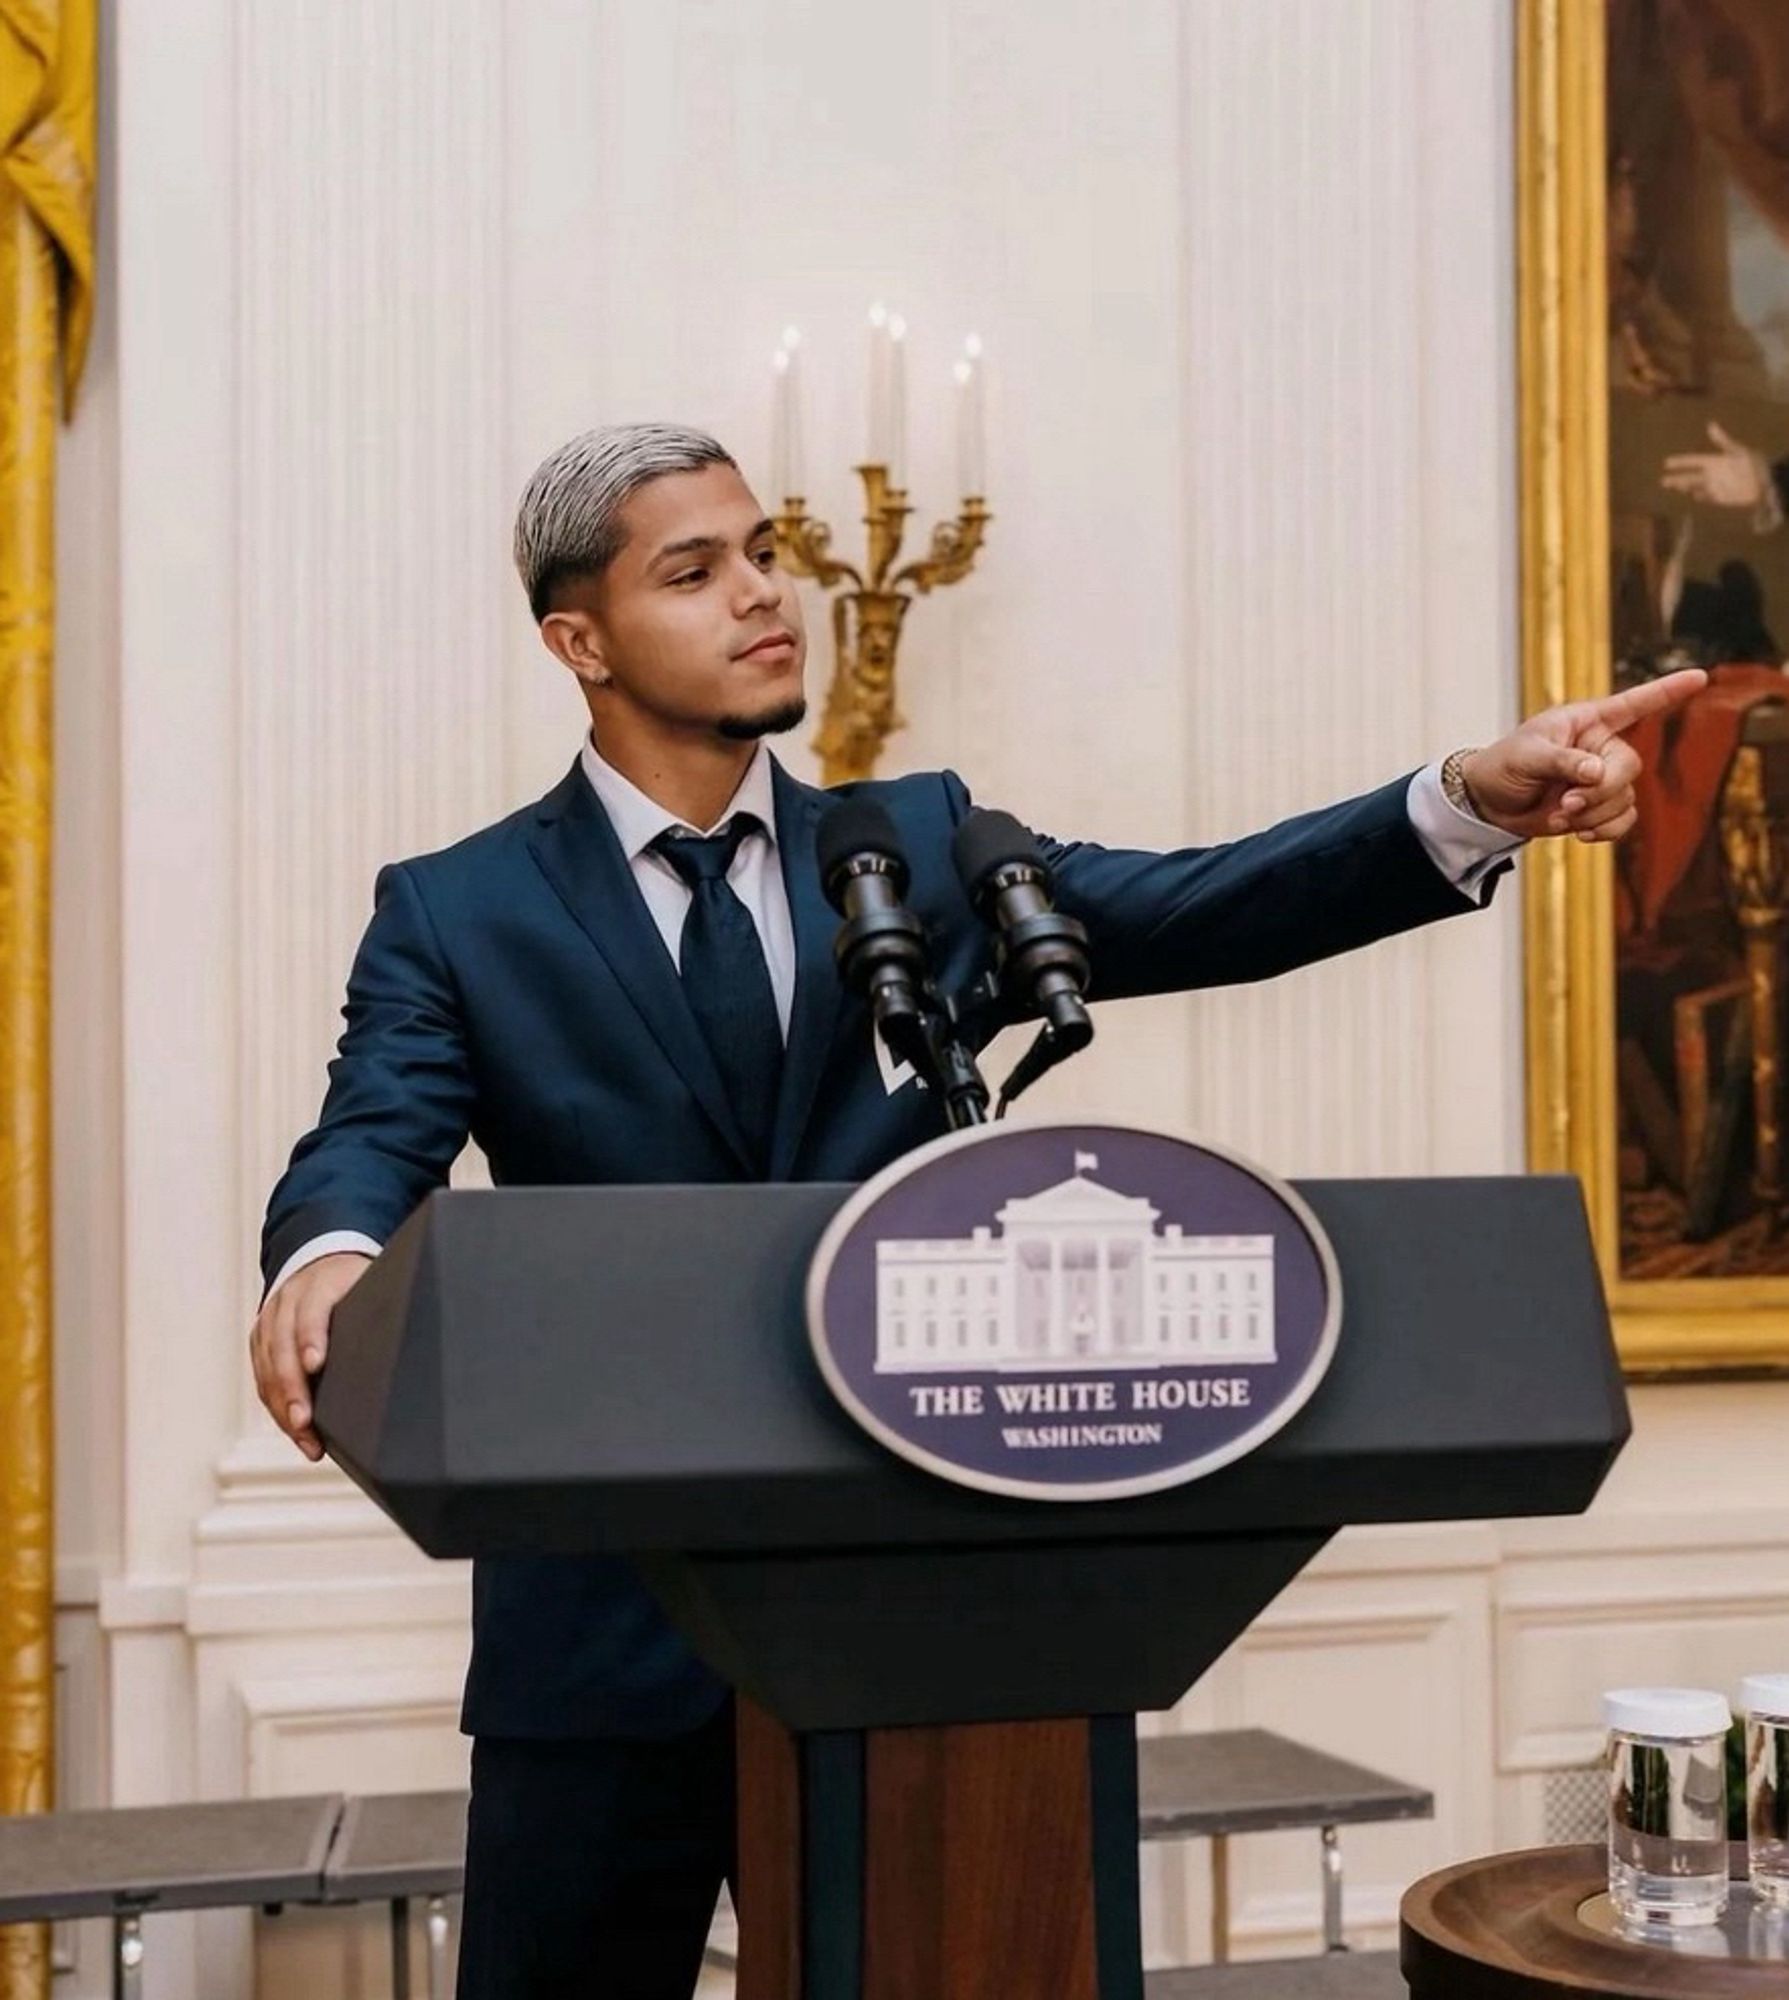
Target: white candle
785 429
877 442
897 402
971 431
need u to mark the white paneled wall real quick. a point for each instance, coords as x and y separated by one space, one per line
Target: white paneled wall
1349 575
1245 278
368 482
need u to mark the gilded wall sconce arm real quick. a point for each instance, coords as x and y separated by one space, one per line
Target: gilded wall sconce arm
860 712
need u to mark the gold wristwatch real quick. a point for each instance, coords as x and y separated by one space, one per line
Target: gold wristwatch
1453 785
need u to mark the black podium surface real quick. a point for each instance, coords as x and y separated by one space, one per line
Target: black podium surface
570 1369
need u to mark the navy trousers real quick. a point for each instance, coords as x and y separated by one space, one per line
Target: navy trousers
592 1867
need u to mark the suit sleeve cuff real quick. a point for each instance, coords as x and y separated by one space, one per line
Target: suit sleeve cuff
1469 851
328 1244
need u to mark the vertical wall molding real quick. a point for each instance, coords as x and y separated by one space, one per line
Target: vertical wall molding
370 500
1310 378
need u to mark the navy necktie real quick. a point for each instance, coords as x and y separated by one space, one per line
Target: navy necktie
726 979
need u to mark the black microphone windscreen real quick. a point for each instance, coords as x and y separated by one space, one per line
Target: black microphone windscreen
856 826
989 840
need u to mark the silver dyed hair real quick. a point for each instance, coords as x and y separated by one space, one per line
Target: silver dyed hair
568 522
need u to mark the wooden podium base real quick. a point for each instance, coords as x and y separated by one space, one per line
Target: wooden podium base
983 1861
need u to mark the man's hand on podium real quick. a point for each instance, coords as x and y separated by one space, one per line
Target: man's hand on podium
1567 770
291 1338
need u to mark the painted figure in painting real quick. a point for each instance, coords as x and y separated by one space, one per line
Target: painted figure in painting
1698 245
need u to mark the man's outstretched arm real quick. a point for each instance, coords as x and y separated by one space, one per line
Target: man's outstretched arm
1347 875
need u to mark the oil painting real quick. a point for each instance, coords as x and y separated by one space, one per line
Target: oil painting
1655 345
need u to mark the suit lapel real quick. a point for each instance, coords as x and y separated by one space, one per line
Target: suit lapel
815 924
580 856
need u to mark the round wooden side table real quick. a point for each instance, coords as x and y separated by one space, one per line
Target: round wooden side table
1522 1926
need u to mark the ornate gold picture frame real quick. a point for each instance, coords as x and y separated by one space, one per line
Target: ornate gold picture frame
1658 978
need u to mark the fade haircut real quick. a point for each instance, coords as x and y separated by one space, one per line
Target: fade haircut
568 522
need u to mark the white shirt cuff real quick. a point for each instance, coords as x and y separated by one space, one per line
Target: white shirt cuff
1464 847
326 1245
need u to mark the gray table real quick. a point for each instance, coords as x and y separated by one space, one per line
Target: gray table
1230 1781
120 1862
392 1848
1346 1975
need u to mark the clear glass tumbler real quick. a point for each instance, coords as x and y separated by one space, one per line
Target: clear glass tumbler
1667 1804
1766 1701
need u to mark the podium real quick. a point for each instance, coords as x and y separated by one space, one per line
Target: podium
938 1686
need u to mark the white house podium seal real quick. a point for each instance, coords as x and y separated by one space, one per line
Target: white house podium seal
1073 1312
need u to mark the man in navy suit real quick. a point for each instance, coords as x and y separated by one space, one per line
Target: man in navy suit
631 980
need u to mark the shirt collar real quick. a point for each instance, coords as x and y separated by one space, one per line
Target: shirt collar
638 821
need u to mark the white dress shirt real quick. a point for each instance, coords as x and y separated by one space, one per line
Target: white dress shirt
1464 847
756 876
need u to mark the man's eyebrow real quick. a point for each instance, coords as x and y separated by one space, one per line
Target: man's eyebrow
694 545
707 545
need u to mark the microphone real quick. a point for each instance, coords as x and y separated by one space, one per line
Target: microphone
880 949
881 953
1043 961
1042 958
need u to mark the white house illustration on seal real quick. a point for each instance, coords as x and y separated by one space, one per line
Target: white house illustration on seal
1078 1276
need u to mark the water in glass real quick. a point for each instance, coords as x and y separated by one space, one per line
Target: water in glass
1668 1829
1767 1806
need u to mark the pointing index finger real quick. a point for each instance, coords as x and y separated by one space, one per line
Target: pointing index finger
1621 711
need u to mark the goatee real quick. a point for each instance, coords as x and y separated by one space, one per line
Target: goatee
773 722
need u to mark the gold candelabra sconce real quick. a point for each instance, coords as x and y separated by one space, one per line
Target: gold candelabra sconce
861 710
869 605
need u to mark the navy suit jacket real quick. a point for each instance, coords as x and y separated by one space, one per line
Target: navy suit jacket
514 988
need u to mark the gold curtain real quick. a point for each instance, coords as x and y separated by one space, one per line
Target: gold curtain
46 305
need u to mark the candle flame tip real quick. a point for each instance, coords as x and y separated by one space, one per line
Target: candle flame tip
972 346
